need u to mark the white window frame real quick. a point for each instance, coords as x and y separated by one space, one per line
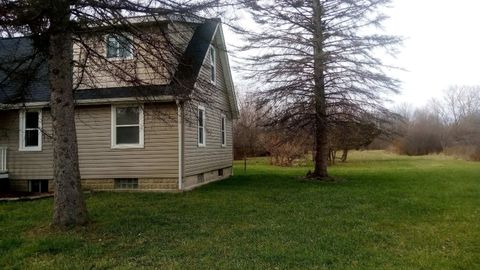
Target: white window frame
117 57
223 130
23 129
140 125
204 143
213 65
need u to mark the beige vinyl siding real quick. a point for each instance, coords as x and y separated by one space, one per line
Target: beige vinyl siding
27 165
213 156
4 124
158 158
152 63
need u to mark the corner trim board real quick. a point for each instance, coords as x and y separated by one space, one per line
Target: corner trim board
180 145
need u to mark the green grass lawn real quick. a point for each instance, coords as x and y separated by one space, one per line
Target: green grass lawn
387 212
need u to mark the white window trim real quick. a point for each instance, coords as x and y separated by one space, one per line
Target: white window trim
204 143
223 132
140 124
117 58
213 64
22 129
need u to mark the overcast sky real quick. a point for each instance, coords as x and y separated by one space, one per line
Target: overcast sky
442 45
441 48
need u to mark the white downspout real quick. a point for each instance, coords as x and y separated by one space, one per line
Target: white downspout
180 146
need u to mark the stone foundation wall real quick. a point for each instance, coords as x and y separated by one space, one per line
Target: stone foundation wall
21 185
144 184
158 184
193 181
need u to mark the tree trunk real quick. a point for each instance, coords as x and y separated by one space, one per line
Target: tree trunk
333 156
321 140
244 160
69 204
344 155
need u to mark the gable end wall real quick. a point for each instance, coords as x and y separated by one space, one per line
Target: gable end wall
209 159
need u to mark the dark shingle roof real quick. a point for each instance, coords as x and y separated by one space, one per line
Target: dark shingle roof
123 92
30 82
195 53
23 73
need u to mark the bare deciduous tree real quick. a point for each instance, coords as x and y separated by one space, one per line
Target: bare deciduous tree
313 57
459 102
248 129
450 124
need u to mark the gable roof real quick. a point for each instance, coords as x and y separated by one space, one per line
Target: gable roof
195 53
228 75
14 53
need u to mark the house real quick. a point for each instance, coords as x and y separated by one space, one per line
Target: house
130 137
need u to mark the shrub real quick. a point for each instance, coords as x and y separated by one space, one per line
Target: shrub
468 152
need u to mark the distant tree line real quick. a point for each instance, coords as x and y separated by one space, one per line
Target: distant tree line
449 124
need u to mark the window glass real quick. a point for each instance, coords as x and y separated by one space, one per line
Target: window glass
213 74
201 126
127 183
112 46
31 120
31 138
128 116
200 118
124 47
200 135
128 135
212 64
118 47
38 186
212 55
223 131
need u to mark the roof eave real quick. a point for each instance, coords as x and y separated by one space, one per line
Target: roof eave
99 101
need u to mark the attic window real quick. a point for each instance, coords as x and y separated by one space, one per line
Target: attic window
201 126
119 47
213 65
223 131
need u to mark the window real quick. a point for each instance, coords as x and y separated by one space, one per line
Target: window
119 47
38 186
30 130
126 183
201 126
213 65
127 127
223 129
200 178
220 172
